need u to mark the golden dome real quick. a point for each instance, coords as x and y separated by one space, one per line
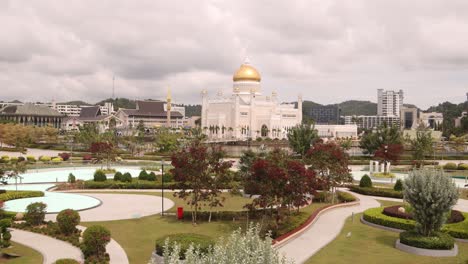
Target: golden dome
246 72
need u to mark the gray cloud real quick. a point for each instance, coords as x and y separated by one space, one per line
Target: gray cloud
326 50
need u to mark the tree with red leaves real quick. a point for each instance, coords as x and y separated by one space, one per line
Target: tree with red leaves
330 161
386 153
102 150
201 173
280 182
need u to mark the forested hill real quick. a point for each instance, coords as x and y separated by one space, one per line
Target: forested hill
352 107
119 103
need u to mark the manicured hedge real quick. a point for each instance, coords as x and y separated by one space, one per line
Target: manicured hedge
111 184
185 240
345 197
438 240
450 166
13 195
375 216
66 261
382 192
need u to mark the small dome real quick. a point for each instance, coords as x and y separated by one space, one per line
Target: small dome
246 72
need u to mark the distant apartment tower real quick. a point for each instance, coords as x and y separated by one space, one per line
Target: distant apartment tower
329 114
389 102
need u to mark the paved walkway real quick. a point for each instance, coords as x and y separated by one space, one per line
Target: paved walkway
328 226
121 206
51 249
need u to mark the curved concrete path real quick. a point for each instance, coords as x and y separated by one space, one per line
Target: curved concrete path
329 224
121 206
51 249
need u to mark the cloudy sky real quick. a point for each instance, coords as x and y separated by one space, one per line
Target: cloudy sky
329 51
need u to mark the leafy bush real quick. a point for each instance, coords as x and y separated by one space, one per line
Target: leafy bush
95 239
13 195
365 181
437 240
126 177
345 197
320 197
118 176
383 175
375 216
462 166
56 160
31 158
398 186
382 192
45 158
5 233
143 175
21 159
168 177
99 176
151 177
35 213
128 185
14 159
67 221
87 157
71 178
450 166
184 241
51 229
66 261
65 156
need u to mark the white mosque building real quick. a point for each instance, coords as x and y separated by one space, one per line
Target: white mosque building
247 113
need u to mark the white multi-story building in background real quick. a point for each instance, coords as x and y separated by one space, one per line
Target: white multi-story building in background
389 102
337 131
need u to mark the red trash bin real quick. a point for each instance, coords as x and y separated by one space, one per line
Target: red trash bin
180 213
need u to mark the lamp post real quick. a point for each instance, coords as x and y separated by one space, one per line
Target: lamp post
162 187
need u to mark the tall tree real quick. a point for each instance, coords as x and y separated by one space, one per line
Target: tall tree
167 141
197 168
301 137
103 151
330 162
371 141
389 153
421 146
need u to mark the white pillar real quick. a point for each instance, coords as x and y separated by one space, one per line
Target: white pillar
381 167
371 166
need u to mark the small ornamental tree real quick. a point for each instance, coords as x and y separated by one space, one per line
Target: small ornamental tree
431 194
365 181
103 151
5 233
301 137
71 178
67 221
143 176
99 176
398 186
126 177
199 171
118 176
95 239
35 213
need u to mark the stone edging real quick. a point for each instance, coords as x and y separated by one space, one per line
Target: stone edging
399 230
283 239
427 252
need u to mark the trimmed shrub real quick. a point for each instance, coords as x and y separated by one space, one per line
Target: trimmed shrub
168 177
71 178
382 192
45 158
66 261
87 157
5 233
35 213
99 176
126 177
143 175
437 240
31 159
67 221
151 177
118 176
95 239
375 216
14 159
21 159
462 166
398 186
345 197
184 241
13 195
450 166
65 156
365 181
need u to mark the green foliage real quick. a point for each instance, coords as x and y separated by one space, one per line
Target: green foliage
99 176
450 166
423 189
375 216
143 175
13 195
384 135
126 177
71 178
35 213
5 233
44 158
398 186
301 137
167 141
462 166
66 261
56 160
128 185
365 181
437 240
95 239
67 221
151 176
184 241
118 176
383 175
421 145
345 197
382 192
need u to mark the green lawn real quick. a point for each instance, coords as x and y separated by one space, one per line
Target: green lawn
137 236
372 245
28 255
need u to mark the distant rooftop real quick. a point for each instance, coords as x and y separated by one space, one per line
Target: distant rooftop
29 110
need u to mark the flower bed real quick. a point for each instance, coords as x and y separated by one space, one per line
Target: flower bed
393 211
376 216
